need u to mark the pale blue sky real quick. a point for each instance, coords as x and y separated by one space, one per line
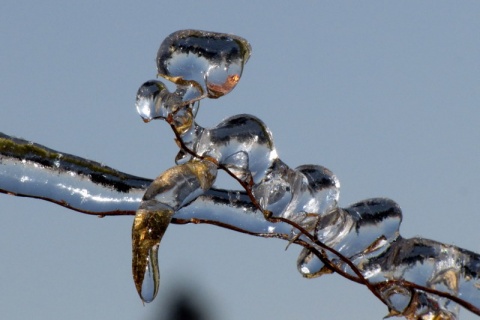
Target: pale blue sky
385 94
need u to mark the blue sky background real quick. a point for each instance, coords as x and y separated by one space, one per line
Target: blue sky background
385 94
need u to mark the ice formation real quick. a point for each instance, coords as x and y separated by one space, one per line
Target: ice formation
416 278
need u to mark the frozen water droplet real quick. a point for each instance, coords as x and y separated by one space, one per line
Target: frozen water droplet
154 101
209 60
324 187
275 192
150 100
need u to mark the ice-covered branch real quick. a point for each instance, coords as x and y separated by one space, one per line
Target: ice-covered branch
32 170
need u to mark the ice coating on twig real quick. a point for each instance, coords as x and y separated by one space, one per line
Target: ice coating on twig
32 170
361 242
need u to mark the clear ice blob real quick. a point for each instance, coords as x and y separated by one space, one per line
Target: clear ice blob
324 186
243 143
149 103
211 61
155 101
357 232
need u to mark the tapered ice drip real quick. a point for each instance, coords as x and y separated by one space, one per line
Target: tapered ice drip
167 193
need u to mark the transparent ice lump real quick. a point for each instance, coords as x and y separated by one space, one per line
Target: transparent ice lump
209 65
201 64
